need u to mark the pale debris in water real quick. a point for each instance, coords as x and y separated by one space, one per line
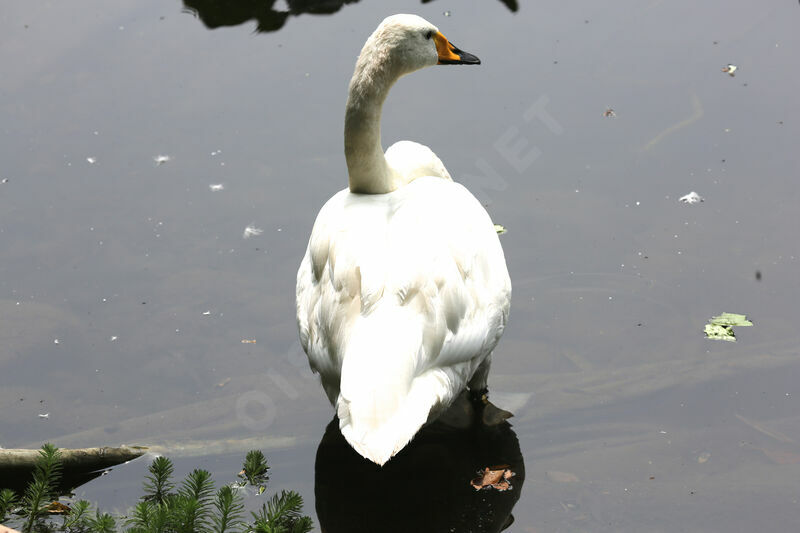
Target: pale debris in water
216 187
721 327
500 229
251 231
56 341
4 180
45 415
113 338
161 159
730 70
691 198
91 160
609 113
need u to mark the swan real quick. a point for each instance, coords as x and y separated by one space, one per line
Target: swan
403 291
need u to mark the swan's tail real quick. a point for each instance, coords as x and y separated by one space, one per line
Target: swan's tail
384 400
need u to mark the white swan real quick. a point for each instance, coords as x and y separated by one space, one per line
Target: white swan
403 292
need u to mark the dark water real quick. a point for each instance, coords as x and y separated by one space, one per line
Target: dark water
627 418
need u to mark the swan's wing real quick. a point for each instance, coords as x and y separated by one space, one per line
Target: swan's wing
414 160
400 297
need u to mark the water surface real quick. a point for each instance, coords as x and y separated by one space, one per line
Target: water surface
127 288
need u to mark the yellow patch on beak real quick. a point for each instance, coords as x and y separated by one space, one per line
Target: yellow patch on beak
449 54
444 48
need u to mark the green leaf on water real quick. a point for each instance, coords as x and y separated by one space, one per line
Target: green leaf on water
721 327
716 332
730 319
500 229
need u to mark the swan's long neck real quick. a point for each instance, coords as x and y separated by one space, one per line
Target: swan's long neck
366 165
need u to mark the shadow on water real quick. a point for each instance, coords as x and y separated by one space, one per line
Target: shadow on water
219 13
425 487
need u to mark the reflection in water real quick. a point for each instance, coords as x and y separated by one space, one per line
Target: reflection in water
425 487
216 13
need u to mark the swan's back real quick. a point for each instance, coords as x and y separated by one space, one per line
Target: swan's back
413 160
400 297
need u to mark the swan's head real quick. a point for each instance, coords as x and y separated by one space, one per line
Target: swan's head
405 43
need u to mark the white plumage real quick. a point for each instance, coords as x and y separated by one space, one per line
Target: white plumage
403 292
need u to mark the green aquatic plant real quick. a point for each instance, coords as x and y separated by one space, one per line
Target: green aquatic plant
283 513
8 500
77 519
228 508
102 523
255 469
43 488
195 507
158 484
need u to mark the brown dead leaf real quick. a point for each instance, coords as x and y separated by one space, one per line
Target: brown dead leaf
495 477
57 508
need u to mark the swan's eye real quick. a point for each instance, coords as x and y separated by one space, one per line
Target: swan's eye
429 34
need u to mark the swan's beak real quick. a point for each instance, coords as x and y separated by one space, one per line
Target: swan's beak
450 55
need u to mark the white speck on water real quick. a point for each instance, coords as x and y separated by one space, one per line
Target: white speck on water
216 187
56 341
691 198
730 70
113 338
161 159
251 231
206 313
44 415
92 160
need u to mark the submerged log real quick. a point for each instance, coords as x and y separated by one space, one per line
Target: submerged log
79 465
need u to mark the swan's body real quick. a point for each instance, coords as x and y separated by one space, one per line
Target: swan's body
403 292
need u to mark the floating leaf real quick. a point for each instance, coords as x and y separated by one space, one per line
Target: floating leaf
730 319
500 229
57 508
493 477
724 333
721 327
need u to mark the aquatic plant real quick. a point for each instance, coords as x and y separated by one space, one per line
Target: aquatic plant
195 507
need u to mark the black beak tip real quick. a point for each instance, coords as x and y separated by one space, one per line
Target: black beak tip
465 58
469 59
